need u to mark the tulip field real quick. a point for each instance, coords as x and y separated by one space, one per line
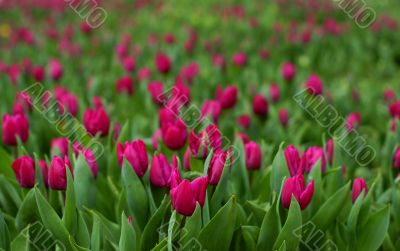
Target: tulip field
140 125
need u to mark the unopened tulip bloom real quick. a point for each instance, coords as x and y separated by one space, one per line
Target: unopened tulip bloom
129 64
56 69
144 73
62 145
389 95
353 120
15 126
227 97
163 63
294 186
186 194
293 162
275 93
260 106
24 169
156 90
96 121
188 73
169 38
359 185
330 150
212 108
216 166
125 85
283 117
253 155
244 121
209 138
24 102
66 100
218 61
239 59
288 71
174 134
160 172
57 175
88 155
38 73
44 170
396 158
314 85
311 157
136 155
180 95
394 109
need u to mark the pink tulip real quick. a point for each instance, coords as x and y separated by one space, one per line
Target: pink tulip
359 185
57 174
294 186
15 126
253 155
96 121
136 155
24 170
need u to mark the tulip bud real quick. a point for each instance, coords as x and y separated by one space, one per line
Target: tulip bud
389 95
182 198
163 63
156 90
359 185
352 121
88 155
311 157
213 108
24 169
129 64
44 170
293 161
274 93
169 38
57 173
125 84
62 145
394 109
174 134
144 73
85 27
206 139
38 73
253 155
23 100
15 126
160 172
314 85
288 72
244 121
65 99
239 59
294 186
396 158
216 166
56 70
227 97
155 139
283 117
135 153
185 195
96 121
330 150
218 61
188 73
260 106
